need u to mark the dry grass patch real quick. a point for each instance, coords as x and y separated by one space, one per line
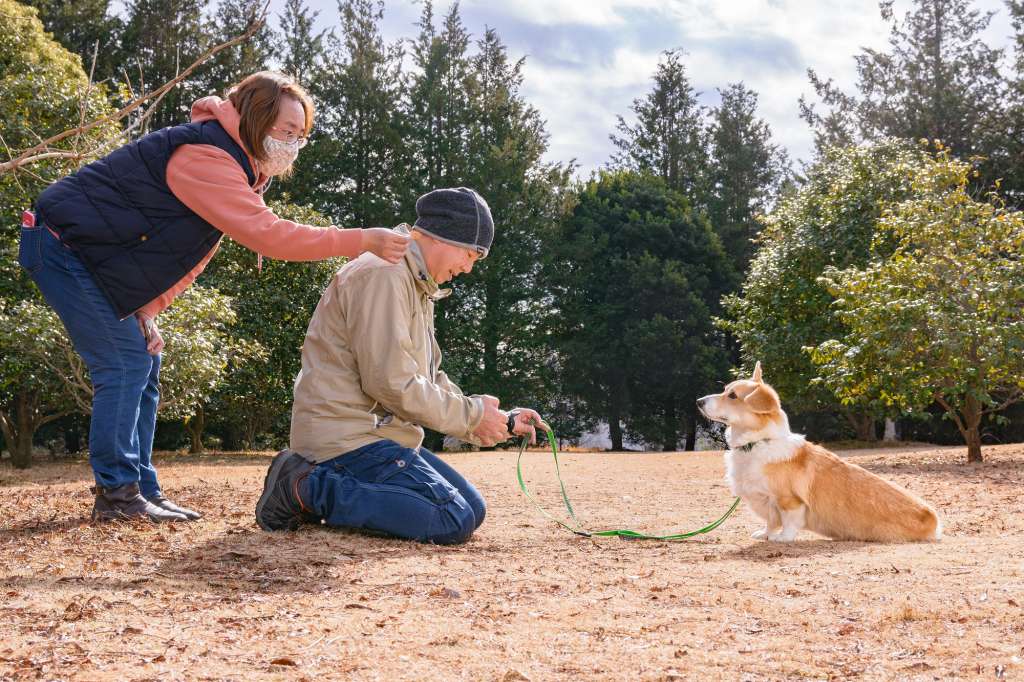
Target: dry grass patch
523 600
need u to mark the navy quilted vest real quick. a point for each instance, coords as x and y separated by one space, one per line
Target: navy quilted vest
124 223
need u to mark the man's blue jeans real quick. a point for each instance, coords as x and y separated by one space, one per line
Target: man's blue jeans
125 377
385 487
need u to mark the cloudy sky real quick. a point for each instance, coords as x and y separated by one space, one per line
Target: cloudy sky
586 60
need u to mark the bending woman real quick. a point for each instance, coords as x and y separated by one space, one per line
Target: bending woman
111 245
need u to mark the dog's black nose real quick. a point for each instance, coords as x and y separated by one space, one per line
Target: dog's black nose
700 401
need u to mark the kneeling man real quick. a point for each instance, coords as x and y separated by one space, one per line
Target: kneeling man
370 381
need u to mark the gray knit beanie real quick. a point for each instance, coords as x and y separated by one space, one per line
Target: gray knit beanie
458 216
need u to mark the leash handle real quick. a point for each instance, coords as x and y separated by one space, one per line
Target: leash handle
624 533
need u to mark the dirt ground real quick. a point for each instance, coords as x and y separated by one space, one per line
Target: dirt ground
523 600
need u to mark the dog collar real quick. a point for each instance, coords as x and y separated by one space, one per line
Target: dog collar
750 446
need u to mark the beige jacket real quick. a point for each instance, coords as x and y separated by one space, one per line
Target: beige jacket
370 363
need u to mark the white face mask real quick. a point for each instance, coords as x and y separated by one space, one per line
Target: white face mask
280 155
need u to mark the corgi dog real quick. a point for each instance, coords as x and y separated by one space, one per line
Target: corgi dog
795 485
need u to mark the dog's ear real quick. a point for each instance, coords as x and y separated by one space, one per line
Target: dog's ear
762 400
757 372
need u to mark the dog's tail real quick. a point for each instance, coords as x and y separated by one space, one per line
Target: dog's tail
938 528
903 517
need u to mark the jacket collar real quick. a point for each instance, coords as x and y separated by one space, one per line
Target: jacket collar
418 268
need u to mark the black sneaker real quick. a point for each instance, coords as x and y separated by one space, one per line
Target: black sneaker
162 502
125 502
279 507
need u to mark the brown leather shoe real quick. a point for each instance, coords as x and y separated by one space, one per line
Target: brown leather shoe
125 502
165 504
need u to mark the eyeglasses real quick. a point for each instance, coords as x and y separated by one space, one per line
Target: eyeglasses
291 137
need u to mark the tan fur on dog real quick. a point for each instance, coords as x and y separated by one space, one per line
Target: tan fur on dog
793 484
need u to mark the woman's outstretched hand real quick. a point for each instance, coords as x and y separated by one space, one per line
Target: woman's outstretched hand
385 242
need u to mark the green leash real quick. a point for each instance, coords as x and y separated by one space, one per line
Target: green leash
579 529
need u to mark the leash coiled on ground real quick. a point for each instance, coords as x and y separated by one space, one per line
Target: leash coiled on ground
615 532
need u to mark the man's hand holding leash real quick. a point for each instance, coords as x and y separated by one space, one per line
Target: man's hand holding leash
523 421
498 425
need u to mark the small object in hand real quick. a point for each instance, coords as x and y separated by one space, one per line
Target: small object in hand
511 423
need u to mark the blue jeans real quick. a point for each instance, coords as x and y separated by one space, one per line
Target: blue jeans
125 377
385 487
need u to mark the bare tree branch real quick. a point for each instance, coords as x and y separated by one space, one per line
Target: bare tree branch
79 387
83 100
1014 397
42 150
52 417
954 414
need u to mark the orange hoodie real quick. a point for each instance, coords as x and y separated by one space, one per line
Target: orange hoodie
211 183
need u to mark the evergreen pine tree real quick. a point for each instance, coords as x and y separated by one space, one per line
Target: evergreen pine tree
228 67
438 114
351 167
302 48
669 137
939 81
86 28
636 279
745 171
161 38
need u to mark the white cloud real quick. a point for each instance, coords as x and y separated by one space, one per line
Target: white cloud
588 59
570 12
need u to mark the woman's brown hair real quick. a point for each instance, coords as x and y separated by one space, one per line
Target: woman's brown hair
257 99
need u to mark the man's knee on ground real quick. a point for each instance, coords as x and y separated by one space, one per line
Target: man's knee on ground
458 523
452 538
479 510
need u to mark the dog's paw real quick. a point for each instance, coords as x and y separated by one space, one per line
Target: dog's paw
781 536
760 534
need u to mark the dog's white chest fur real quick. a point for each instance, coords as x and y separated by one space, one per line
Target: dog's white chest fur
744 470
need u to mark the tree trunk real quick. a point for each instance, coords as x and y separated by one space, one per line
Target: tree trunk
863 426
7 429
615 430
21 454
231 439
195 427
249 435
972 429
973 438
73 439
615 412
670 441
24 429
691 428
968 422
890 431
